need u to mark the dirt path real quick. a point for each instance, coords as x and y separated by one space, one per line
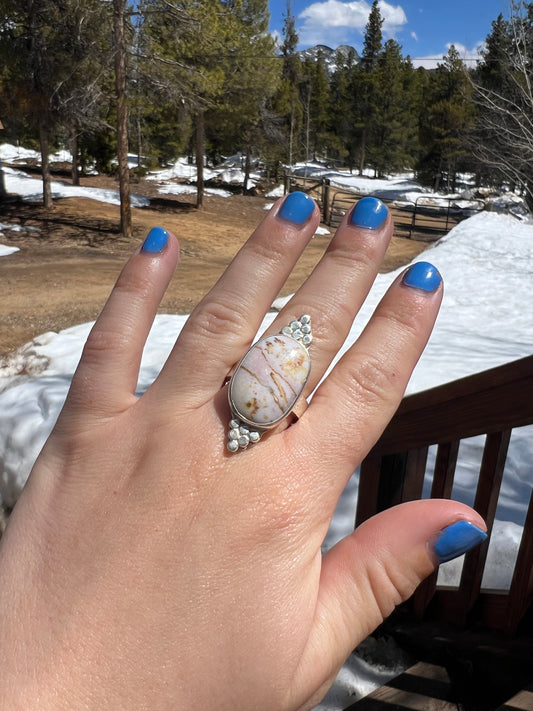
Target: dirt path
64 271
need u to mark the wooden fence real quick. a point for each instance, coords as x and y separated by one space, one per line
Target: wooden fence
425 220
491 403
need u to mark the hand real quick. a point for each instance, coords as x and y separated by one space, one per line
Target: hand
145 567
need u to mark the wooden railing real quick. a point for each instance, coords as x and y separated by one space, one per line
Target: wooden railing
491 403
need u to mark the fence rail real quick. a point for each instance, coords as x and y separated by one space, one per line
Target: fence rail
426 219
492 403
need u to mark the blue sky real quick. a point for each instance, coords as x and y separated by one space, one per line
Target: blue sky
425 28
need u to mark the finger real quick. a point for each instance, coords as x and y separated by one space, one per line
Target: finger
339 284
366 575
356 401
105 380
222 326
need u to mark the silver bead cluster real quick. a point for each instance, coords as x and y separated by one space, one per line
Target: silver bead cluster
300 330
240 436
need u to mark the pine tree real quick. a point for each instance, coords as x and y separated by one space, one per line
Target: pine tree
50 51
287 102
242 117
447 122
493 70
392 137
365 81
314 93
341 118
180 50
373 39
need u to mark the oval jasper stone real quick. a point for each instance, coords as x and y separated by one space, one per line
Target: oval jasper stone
269 380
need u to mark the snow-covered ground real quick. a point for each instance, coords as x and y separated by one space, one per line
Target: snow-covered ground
486 320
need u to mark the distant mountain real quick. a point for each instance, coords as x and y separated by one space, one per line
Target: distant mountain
328 54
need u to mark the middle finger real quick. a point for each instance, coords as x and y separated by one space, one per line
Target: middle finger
339 284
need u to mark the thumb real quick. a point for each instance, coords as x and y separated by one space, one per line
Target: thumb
377 567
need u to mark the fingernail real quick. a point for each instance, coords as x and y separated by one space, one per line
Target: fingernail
297 207
457 539
423 275
156 240
369 212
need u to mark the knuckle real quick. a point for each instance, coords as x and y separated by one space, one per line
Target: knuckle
403 322
373 380
134 282
101 342
391 584
361 254
215 319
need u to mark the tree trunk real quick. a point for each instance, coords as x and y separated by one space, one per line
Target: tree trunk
291 135
200 141
75 162
3 193
119 9
139 145
246 171
362 154
44 141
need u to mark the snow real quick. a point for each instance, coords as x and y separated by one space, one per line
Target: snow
5 251
486 320
31 190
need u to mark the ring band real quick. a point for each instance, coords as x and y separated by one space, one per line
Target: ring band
267 384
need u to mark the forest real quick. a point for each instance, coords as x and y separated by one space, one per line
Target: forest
165 78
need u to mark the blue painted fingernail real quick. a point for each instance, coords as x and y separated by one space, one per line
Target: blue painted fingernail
423 275
297 207
457 539
156 240
369 212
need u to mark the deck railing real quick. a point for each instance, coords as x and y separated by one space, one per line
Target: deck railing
491 403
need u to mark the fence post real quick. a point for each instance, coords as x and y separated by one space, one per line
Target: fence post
325 200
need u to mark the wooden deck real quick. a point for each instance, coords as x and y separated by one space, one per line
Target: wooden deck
492 404
423 687
522 701
428 687
482 638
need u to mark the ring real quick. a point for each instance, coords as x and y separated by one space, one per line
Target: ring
267 383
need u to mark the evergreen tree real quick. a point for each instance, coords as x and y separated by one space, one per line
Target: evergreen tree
179 60
314 93
365 104
54 54
446 123
373 39
493 70
393 135
341 118
287 102
242 118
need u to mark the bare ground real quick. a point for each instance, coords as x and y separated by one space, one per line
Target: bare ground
66 267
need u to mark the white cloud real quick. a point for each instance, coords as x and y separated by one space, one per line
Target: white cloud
469 56
332 21
414 36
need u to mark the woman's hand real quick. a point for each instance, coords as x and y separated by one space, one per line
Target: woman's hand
146 567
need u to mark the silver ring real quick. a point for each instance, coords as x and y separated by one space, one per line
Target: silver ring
267 383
